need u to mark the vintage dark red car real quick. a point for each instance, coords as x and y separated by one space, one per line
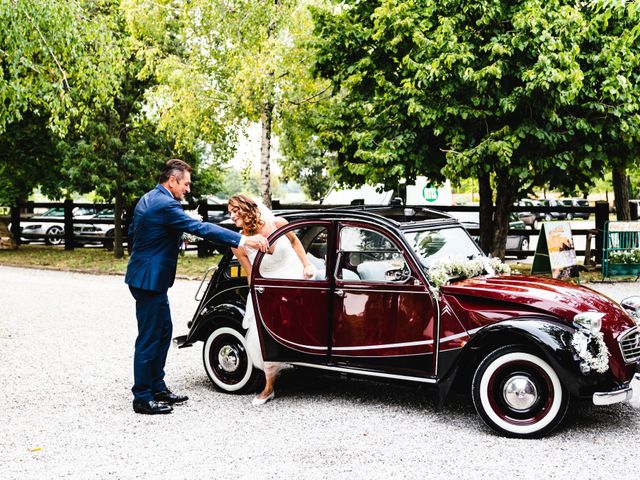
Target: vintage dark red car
521 345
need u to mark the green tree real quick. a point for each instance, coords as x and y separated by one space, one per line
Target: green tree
117 150
57 63
29 158
239 61
608 110
485 89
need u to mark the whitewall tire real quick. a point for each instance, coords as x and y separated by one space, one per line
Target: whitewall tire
518 394
227 362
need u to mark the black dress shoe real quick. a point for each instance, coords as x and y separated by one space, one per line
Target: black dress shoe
151 407
169 397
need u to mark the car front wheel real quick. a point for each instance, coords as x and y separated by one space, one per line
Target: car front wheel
518 394
53 235
227 361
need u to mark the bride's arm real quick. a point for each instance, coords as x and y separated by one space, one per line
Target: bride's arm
309 269
244 261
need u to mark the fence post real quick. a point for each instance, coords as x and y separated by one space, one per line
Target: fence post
633 209
68 225
602 216
15 223
203 210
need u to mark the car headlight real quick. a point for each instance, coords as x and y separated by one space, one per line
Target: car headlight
632 306
591 321
32 227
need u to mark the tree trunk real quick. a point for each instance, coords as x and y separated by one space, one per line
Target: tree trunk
505 192
265 154
118 249
486 212
621 192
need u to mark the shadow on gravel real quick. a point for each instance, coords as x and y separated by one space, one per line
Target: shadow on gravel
303 384
584 417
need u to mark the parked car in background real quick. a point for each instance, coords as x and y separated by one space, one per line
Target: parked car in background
576 202
528 218
382 305
516 243
552 215
220 214
537 216
105 231
53 232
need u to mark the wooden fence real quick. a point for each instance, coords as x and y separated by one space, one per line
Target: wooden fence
24 212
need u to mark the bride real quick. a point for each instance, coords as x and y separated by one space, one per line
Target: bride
286 259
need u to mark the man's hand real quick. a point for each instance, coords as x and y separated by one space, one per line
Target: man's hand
257 241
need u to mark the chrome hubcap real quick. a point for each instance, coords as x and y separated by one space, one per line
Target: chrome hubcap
228 358
520 393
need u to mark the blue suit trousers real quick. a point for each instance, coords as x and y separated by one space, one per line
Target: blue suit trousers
152 343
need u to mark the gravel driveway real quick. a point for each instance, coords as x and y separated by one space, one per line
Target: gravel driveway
66 345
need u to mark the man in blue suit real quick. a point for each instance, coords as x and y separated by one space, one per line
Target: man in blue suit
156 233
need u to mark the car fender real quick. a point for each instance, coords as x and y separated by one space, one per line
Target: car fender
548 336
227 313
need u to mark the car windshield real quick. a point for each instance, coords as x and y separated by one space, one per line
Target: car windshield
439 244
106 213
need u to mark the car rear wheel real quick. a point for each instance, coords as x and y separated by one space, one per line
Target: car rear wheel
227 361
518 394
108 240
52 238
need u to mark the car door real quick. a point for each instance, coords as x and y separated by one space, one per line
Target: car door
292 312
383 314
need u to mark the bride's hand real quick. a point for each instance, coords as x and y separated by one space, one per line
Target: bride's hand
309 271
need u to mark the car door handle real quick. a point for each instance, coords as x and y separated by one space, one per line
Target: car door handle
259 289
340 293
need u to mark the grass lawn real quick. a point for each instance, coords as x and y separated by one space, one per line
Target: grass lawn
93 260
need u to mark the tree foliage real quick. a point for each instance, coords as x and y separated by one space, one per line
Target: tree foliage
58 63
29 157
233 62
56 58
505 92
117 151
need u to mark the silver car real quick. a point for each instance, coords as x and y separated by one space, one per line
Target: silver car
41 227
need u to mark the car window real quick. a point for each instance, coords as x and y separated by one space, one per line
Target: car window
369 256
283 261
54 212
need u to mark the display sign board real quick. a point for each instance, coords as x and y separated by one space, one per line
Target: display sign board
555 253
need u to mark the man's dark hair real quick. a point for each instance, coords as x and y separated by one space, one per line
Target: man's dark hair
174 168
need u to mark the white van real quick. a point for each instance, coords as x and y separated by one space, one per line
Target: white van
420 193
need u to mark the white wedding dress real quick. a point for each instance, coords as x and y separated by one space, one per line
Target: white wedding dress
281 263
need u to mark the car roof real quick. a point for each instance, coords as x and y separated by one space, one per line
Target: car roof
394 216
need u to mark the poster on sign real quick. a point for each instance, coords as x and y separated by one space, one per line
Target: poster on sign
556 252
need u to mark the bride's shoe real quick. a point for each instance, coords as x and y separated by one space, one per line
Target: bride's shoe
257 401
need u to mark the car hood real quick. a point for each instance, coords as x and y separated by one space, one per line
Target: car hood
483 300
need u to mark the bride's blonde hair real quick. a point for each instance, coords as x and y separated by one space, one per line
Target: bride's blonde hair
249 212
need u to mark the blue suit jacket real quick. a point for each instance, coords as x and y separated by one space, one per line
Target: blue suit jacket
156 232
